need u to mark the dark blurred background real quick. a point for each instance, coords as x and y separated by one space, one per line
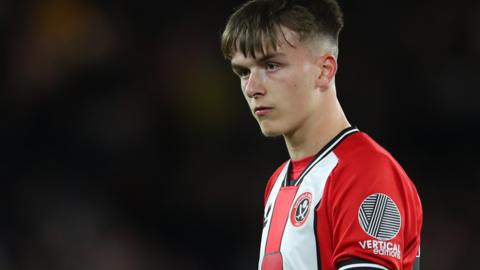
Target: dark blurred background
126 142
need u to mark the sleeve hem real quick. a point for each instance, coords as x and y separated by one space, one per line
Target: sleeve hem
358 266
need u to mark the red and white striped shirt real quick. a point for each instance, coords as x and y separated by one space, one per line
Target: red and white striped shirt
352 207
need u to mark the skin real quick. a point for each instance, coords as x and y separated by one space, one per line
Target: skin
291 93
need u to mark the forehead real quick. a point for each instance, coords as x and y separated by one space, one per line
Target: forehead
288 43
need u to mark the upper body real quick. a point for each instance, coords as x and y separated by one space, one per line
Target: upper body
285 54
352 206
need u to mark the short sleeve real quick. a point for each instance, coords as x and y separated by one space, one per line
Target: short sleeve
375 213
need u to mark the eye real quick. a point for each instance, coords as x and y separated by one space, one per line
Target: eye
271 66
242 72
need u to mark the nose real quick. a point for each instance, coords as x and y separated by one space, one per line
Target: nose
254 86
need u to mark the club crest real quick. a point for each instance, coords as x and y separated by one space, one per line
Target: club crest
300 209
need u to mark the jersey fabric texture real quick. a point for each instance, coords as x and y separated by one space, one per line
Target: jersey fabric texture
353 207
297 167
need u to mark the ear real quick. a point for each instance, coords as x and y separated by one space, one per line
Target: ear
328 69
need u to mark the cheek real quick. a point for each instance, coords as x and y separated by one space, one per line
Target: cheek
299 96
299 90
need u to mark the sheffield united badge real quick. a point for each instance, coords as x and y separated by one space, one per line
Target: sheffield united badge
300 209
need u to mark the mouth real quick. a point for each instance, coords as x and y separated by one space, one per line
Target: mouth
262 110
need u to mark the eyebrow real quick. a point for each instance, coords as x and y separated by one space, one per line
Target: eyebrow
262 59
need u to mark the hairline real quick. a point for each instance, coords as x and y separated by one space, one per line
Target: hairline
313 43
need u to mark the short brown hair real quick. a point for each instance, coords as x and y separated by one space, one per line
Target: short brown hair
256 23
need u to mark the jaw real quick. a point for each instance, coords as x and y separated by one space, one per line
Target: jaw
270 127
270 133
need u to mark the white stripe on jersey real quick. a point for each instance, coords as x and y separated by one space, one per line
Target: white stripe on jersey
360 265
298 245
324 153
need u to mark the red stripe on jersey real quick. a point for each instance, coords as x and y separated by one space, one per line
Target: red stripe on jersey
280 215
272 261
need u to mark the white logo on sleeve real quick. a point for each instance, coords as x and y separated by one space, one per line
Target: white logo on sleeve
379 217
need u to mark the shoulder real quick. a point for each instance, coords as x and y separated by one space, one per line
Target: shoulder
360 147
368 185
364 169
362 159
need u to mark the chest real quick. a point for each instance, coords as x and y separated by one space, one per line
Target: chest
290 221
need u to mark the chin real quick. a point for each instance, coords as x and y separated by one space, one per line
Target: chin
270 131
271 134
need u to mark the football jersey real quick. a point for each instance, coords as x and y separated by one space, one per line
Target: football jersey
352 207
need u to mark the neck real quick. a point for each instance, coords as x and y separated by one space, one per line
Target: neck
316 131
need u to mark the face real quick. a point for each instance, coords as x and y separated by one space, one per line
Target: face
280 87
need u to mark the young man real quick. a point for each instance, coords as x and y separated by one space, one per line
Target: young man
341 201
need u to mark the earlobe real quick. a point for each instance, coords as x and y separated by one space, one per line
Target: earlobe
328 65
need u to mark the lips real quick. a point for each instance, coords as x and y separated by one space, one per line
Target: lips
262 110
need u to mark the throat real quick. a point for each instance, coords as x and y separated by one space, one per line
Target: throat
306 144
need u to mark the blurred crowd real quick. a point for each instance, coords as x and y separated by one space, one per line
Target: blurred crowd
126 142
